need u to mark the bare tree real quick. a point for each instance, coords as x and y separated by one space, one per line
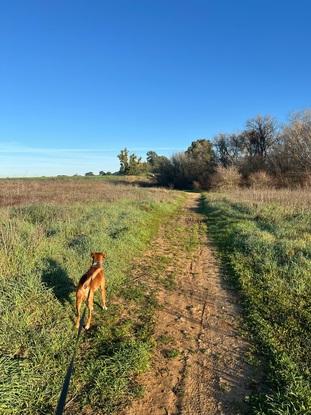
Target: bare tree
260 135
291 159
228 149
258 140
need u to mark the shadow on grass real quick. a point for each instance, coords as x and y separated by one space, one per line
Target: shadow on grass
56 278
219 224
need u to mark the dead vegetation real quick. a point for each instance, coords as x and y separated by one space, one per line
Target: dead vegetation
17 192
297 199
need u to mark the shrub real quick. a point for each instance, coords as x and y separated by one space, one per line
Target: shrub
260 180
185 170
226 178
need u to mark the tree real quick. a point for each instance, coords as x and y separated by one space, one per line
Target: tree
135 164
228 149
257 142
201 162
152 158
260 135
184 170
154 161
290 160
124 161
201 149
131 164
90 173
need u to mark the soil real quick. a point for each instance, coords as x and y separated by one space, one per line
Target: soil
200 363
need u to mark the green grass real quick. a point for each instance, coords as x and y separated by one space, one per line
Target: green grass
170 353
266 250
44 249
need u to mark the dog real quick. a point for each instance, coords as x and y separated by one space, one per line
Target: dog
93 279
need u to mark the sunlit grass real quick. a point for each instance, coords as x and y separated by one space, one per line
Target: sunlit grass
62 190
264 239
44 249
296 199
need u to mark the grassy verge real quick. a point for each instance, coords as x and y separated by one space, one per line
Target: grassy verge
44 249
266 246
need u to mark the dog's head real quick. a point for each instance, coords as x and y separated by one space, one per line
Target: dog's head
98 256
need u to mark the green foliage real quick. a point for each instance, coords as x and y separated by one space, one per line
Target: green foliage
135 164
154 161
193 168
267 248
123 156
165 339
44 249
103 173
131 164
170 353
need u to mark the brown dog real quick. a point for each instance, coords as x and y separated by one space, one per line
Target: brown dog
88 284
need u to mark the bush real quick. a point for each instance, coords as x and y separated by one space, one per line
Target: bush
226 178
190 169
260 180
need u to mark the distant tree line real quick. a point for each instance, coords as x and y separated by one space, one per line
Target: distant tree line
101 173
266 151
263 154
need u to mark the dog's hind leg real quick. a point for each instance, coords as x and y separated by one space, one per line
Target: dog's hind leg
78 307
90 307
103 294
79 299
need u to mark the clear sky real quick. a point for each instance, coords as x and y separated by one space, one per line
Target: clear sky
79 80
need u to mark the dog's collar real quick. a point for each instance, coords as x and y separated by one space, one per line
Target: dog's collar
95 263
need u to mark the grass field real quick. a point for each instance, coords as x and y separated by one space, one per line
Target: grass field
264 239
44 249
17 192
48 227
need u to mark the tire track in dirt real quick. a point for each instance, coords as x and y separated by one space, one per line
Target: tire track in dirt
201 318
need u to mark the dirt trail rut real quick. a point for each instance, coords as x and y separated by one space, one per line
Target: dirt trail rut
205 373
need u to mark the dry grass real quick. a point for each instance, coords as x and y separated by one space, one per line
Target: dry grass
299 199
18 192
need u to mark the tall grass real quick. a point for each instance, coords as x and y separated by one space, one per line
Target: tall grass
298 199
267 246
44 249
17 192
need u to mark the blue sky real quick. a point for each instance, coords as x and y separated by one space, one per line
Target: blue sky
79 80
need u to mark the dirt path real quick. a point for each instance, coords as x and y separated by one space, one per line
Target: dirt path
199 367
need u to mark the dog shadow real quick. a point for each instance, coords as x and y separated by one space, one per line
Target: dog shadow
57 279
